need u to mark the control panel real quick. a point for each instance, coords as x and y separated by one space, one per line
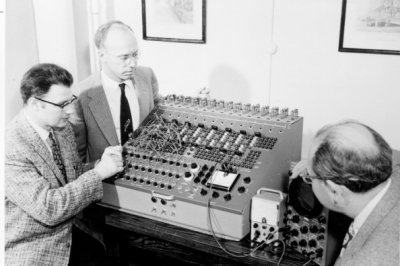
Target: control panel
307 235
311 228
197 163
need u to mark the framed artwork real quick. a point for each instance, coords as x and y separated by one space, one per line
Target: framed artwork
370 26
174 20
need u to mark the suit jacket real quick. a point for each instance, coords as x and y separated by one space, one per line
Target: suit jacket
94 126
378 240
40 206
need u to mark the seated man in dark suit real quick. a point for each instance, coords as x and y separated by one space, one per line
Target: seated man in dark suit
46 186
350 169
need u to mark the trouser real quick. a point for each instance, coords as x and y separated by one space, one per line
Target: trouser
87 251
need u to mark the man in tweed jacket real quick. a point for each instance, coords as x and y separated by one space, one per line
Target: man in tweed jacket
42 194
351 172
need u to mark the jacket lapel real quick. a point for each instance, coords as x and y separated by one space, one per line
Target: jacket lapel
101 112
32 137
142 94
65 147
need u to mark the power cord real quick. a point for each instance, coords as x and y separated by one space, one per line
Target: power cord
234 254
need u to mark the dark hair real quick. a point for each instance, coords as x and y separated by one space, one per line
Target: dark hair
358 167
102 31
38 80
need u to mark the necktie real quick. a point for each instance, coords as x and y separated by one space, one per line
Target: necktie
126 126
349 236
57 155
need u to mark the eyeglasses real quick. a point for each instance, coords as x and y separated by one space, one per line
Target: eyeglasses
61 105
345 179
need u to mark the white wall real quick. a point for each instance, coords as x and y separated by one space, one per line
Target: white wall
327 85
308 72
55 33
21 51
39 31
233 63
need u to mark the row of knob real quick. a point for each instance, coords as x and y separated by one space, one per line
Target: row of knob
231 106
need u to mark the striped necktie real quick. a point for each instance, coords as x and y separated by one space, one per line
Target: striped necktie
57 155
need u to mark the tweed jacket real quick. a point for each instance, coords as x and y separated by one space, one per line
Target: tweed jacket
94 126
378 240
40 206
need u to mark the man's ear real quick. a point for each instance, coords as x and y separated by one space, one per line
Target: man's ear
101 53
337 192
33 103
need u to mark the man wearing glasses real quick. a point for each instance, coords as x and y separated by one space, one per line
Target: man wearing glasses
351 172
46 184
114 101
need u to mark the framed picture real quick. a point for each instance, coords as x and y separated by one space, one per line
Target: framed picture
174 20
370 26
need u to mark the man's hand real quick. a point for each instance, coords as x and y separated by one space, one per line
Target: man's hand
111 162
300 169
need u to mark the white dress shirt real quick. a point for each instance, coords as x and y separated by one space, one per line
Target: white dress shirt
113 95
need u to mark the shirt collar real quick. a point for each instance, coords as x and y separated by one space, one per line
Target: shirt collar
108 83
112 85
43 133
363 215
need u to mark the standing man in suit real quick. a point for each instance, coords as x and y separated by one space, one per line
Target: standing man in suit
350 169
113 102
46 185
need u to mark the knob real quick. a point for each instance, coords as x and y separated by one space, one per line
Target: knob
215 195
295 219
312 243
188 175
303 243
247 180
228 197
241 189
314 229
294 232
304 229
194 167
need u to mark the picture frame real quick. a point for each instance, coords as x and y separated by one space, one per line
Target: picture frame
174 20
370 27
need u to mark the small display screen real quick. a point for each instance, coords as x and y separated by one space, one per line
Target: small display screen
303 200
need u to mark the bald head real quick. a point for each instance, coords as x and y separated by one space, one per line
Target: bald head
102 32
118 50
349 135
351 154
